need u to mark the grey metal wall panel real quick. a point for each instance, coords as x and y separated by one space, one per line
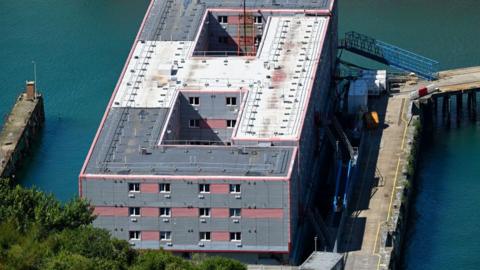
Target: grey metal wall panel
210 107
185 231
184 193
255 231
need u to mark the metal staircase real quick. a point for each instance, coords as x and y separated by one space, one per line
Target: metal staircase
390 55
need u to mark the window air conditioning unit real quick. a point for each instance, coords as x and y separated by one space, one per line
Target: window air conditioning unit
236 221
202 220
133 219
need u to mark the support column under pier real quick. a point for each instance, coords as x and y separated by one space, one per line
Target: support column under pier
472 105
428 112
459 100
446 109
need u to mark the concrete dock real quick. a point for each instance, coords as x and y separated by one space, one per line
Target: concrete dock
449 81
377 199
20 129
382 158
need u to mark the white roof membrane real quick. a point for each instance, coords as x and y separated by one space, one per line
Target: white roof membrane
277 79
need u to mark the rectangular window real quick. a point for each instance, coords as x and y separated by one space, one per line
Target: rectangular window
204 188
205 236
235 236
165 236
164 187
194 123
195 101
223 39
204 212
164 211
231 123
234 188
235 212
231 101
134 187
223 19
134 235
258 19
134 211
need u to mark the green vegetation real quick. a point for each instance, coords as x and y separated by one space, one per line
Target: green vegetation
38 232
412 159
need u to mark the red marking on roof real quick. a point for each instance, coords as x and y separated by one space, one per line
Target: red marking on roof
278 76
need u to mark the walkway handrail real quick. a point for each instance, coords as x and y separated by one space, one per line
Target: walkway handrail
390 55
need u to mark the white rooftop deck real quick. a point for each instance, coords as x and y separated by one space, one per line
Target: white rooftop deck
278 80
290 50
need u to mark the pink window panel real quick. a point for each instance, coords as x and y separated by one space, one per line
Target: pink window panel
150 235
149 188
220 212
220 236
213 123
234 20
219 188
150 212
184 212
263 213
239 20
110 211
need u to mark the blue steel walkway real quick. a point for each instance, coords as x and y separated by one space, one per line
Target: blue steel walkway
390 55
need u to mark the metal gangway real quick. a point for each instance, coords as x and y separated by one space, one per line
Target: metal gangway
389 55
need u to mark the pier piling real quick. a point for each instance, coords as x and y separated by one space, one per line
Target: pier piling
427 112
459 99
472 105
446 109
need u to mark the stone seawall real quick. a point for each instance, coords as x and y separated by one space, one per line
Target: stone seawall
21 128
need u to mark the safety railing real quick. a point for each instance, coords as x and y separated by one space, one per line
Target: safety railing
390 55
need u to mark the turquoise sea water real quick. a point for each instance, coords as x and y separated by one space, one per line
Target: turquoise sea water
443 230
80 47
